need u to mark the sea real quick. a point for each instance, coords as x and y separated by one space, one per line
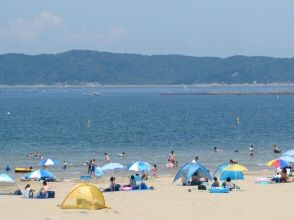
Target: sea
76 124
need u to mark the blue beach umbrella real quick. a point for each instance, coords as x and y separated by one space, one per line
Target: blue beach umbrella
4 178
112 166
49 162
188 169
40 174
289 153
139 166
287 158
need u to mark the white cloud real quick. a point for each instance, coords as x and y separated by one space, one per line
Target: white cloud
110 36
29 31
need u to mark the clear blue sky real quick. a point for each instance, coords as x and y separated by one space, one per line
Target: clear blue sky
190 27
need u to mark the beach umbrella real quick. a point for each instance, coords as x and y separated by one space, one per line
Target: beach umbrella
188 169
49 162
277 163
112 166
139 166
4 178
98 172
287 158
289 153
40 174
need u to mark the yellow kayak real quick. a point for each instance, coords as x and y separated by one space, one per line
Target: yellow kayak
23 169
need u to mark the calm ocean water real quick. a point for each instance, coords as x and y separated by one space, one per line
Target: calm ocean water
66 124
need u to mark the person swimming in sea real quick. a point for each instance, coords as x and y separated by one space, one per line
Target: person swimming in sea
106 157
277 150
217 150
251 150
123 154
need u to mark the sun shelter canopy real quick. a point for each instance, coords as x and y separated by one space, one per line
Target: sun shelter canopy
234 175
84 196
188 169
220 169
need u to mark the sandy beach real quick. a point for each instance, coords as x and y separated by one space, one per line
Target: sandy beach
167 201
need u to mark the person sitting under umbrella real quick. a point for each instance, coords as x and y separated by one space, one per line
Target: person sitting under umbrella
144 175
133 183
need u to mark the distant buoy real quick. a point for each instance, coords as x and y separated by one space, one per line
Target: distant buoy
8 113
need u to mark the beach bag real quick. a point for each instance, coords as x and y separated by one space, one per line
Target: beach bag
51 194
143 186
201 187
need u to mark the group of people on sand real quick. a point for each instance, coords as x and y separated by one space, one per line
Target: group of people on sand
282 175
43 192
132 185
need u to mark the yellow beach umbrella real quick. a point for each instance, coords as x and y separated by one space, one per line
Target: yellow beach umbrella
236 167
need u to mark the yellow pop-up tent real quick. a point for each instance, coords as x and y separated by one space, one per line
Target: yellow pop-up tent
84 196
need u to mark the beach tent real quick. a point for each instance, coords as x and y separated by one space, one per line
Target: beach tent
234 175
84 196
7 185
187 170
234 171
220 169
40 175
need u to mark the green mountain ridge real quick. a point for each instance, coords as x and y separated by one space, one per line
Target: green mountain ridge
81 66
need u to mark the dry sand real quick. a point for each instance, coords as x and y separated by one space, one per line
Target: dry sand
168 201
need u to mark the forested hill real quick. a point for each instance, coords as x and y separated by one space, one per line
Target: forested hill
79 67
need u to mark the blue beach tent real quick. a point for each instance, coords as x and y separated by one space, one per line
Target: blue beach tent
187 170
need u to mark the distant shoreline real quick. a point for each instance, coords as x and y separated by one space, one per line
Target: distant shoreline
93 85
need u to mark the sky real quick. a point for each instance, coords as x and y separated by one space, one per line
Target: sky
219 28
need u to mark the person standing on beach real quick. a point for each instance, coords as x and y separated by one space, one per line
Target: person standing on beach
93 168
64 165
154 171
195 160
173 158
90 167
